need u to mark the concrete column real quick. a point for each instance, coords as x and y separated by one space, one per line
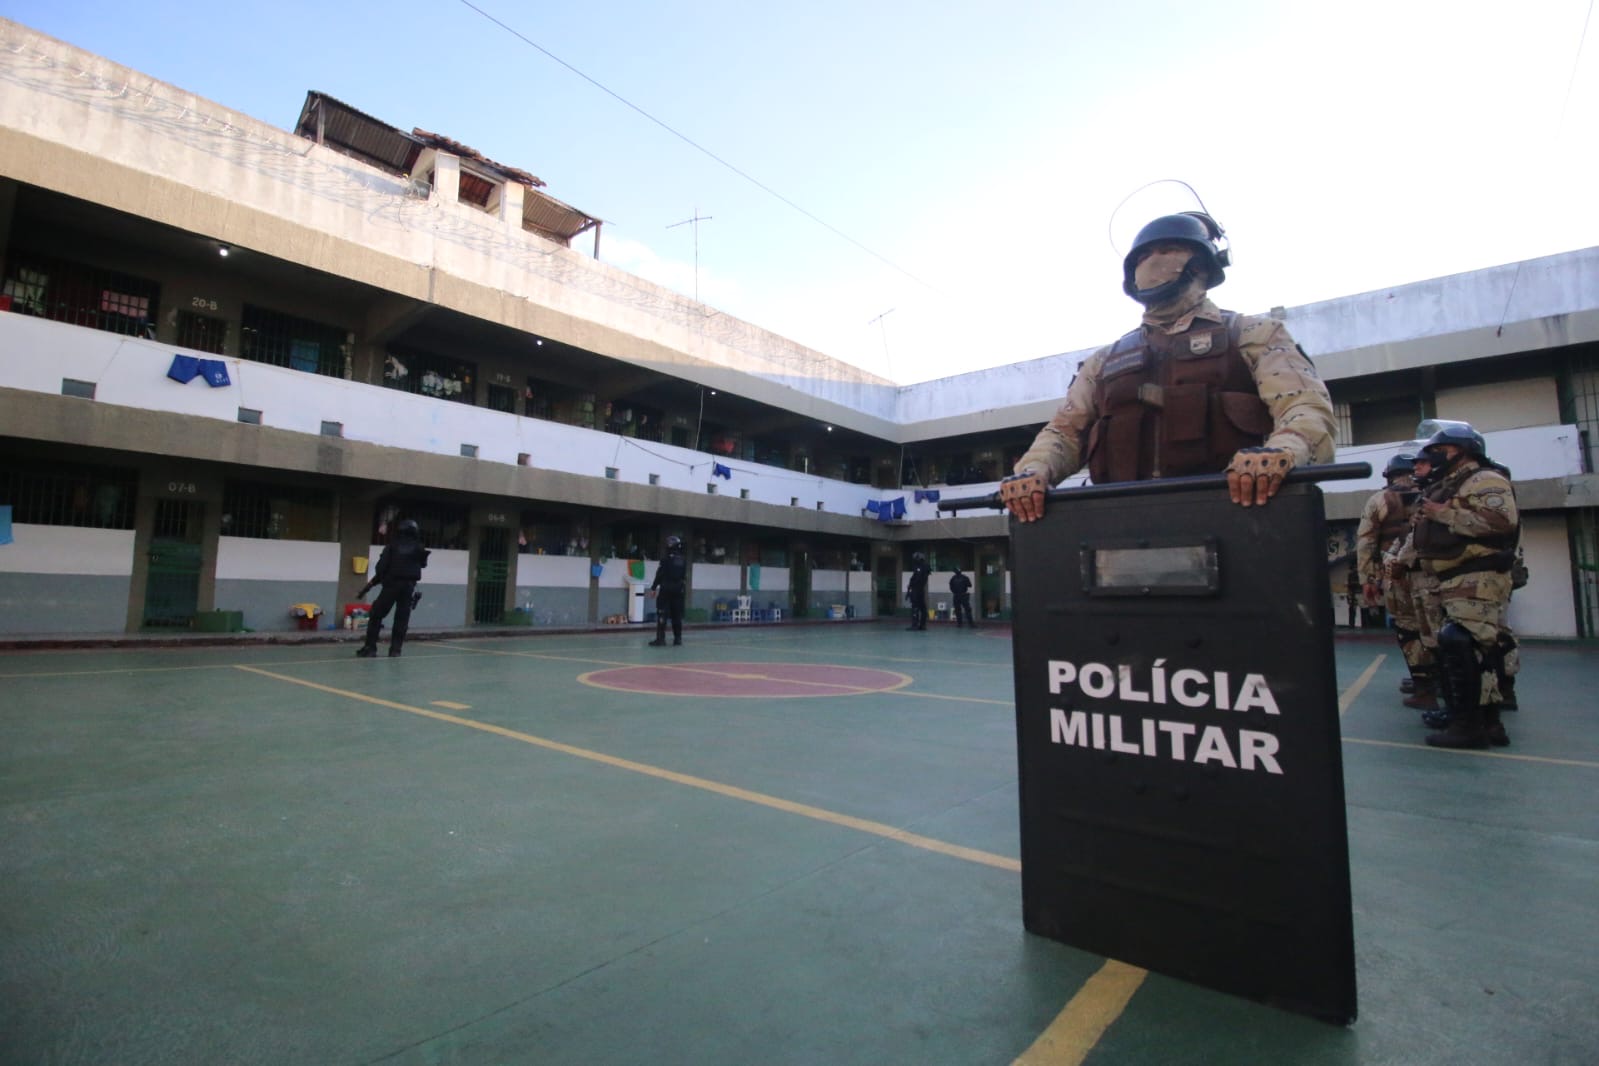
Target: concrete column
512 196
447 177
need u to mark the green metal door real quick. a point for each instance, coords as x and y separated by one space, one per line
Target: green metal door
887 583
990 586
172 580
488 597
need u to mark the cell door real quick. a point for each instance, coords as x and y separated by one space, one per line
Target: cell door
172 580
493 569
887 585
990 586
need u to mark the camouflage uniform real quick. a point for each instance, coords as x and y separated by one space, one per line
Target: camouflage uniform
1302 416
1465 535
1384 524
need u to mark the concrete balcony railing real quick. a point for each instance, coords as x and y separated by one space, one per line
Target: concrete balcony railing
40 356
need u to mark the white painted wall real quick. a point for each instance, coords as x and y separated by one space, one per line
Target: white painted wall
131 372
716 577
1546 607
255 559
553 571
839 580
1503 405
446 566
68 550
774 585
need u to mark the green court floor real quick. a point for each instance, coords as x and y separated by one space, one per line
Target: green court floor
513 850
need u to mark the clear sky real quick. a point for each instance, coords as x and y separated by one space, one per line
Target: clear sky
965 160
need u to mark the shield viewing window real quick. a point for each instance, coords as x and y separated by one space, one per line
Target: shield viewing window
1152 568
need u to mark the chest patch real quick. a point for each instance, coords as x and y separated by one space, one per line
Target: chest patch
1125 362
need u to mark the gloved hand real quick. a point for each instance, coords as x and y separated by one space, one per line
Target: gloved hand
1255 474
1023 495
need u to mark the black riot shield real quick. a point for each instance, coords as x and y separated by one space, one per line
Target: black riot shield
1182 796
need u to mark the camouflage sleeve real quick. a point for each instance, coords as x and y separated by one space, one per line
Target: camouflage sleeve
1057 451
1368 559
1301 409
1484 506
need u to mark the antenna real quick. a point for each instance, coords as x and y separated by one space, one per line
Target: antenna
695 222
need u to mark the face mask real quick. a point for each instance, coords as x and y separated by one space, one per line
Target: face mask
1160 268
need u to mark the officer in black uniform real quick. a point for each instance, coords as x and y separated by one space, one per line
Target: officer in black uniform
960 590
916 592
398 570
668 590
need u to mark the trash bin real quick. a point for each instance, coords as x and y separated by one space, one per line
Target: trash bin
636 591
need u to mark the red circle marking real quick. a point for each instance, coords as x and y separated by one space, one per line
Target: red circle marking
769 680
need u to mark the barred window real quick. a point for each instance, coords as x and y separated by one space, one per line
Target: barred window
64 494
82 295
442 525
277 512
297 343
430 375
202 332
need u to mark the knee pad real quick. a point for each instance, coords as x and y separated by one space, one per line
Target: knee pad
1456 639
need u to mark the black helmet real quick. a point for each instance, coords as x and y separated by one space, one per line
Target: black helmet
1403 463
918 557
1190 227
674 544
408 528
1460 434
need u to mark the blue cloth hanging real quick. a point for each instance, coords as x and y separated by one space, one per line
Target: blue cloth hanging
930 495
184 368
215 372
899 507
718 470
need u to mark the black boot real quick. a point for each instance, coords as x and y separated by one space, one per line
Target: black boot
365 651
1460 676
656 643
1507 693
1424 691
1407 685
1466 730
1494 729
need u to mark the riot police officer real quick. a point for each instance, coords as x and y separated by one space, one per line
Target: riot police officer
916 591
1192 390
960 592
398 569
668 590
1466 532
1384 522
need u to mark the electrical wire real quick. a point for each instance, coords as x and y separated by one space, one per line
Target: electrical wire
1576 62
703 150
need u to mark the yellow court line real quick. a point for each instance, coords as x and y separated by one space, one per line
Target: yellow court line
863 825
1353 692
1478 753
1076 1029
449 706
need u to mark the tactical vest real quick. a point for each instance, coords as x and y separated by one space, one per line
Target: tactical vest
1398 505
1437 542
1175 405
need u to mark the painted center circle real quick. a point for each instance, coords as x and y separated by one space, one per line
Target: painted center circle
769 680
